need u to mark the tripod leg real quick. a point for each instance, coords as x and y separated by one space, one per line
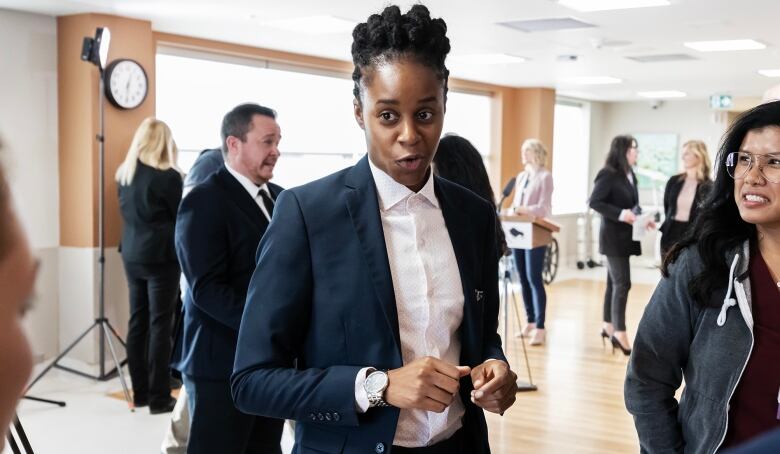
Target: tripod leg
12 443
525 352
121 363
119 369
22 436
59 403
60 356
119 338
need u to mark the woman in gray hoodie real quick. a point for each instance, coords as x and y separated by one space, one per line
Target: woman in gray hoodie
714 319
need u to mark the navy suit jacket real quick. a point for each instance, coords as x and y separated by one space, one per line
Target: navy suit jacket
218 228
321 306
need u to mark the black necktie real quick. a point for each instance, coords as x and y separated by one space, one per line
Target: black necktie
268 202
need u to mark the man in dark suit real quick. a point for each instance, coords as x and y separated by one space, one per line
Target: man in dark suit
175 441
218 228
371 316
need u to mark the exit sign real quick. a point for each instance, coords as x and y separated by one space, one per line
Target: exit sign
721 101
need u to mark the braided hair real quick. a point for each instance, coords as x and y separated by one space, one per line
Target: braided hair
391 35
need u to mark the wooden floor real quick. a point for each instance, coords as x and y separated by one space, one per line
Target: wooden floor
579 405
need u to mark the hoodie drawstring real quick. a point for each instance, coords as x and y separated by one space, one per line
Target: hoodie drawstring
728 301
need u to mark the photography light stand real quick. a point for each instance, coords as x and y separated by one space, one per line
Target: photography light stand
505 279
95 51
17 426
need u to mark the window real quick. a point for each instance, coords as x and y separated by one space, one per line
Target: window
571 136
319 132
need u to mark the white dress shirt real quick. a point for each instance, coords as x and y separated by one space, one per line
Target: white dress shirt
428 297
252 189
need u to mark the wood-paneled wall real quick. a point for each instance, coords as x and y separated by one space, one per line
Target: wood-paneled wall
517 114
77 87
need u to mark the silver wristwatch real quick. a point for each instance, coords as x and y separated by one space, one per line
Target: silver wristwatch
375 386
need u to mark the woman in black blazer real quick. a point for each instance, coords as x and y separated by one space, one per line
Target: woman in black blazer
684 193
616 198
150 189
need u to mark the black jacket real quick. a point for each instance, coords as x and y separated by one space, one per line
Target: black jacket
672 191
612 193
148 206
217 232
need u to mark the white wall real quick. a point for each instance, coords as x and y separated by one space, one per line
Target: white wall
28 126
689 119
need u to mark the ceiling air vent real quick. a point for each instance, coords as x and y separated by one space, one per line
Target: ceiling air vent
662 58
546 25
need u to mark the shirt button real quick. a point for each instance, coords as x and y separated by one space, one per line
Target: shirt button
336 416
379 448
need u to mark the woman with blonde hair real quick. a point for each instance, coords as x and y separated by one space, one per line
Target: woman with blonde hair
150 187
533 196
684 193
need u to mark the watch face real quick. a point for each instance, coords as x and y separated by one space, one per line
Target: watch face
127 84
376 382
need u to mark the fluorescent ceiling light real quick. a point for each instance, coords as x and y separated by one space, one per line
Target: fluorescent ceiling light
546 25
592 80
726 45
769 72
606 5
488 59
662 94
314 25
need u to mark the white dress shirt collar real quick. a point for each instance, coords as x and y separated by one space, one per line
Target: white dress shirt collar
250 187
391 192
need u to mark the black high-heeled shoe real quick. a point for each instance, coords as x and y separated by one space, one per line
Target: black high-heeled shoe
616 343
604 335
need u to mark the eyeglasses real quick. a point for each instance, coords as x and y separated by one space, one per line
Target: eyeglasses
739 163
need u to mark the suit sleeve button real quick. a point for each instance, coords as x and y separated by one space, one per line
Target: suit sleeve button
327 417
336 416
313 416
320 416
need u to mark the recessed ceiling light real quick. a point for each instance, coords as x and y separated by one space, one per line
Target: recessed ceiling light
592 80
661 94
769 72
662 58
488 59
546 25
314 25
606 5
726 45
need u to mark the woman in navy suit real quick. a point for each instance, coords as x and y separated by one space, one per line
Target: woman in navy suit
150 189
371 316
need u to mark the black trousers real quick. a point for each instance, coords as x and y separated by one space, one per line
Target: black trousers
616 296
672 235
216 426
153 292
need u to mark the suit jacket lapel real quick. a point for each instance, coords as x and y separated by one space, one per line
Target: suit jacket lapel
363 208
455 220
241 198
634 188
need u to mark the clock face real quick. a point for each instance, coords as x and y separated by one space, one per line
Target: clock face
127 84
